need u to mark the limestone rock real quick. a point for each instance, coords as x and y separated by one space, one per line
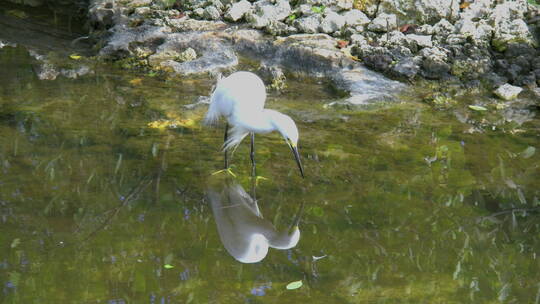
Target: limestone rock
211 12
421 41
383 23
508 91
264 11
355 17
238 10
332 22
308 24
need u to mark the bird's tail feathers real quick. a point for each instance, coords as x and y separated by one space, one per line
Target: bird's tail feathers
211 118
235 136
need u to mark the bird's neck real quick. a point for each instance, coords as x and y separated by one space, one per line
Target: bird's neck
256 122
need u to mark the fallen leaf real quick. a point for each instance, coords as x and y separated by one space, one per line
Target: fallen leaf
464 5
408 28
17 13
294 285
477 108
342 43
136 81
75 56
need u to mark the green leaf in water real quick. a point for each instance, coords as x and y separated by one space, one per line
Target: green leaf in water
477 108
294 285
15 243
528 152
168 266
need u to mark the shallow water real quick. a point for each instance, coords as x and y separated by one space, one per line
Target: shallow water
105 182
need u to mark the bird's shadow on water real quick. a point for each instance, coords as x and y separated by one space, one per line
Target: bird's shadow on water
245 234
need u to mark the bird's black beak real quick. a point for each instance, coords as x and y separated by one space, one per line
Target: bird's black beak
294 150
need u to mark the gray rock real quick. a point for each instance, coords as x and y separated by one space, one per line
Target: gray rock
420 11
456 39
188 25
508 91
332 22
278 28
212 13
425 29
477 9
272 75
264 11
393 39
358 39
508 31
383 23
187 55
434 64
143 11
139 3
355 17
377 58
443 28
304 10
209 53
308 24
198 12
47 71
407 68
421 41
238 10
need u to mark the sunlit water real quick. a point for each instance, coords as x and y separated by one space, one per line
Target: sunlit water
105 182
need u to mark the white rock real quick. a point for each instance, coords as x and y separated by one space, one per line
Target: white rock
333 22
392 39
187 55
212 13
265 11
515 31
443 28
238 10
383 23
508 11
139 3
308 24
358 39
508 91
477 9
466 27
355 17
199 12
421 41
344 4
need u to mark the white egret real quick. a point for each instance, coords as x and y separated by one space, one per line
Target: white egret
240 98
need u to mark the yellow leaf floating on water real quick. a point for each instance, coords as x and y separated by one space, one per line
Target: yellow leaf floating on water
17 13
136 81
171 123
75 56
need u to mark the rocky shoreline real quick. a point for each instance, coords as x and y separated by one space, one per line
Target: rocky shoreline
490 44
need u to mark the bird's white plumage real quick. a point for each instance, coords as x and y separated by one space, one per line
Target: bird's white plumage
240 98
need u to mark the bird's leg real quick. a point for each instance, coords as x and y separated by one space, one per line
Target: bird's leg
252 155
225 141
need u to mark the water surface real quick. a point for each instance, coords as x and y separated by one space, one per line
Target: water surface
104 182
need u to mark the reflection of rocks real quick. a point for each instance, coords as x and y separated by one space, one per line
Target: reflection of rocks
48 70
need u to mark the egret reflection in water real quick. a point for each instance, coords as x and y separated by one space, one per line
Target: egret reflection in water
242 229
